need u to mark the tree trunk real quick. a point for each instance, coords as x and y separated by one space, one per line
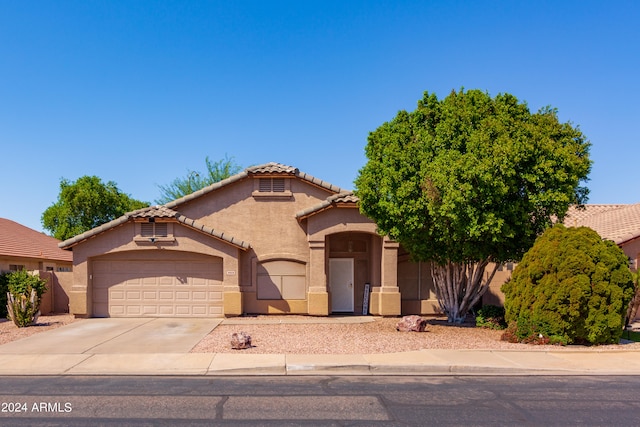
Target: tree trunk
459 286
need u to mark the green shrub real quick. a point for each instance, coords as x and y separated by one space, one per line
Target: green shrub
571 287
4 288
24 291
491 316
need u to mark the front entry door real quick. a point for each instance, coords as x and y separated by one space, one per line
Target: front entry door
341 284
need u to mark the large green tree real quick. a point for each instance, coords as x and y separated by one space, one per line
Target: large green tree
84 204
469 180
194 181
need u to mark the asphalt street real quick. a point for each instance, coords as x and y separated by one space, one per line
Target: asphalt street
321 400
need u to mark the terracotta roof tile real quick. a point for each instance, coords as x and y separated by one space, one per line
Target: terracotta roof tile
20 241
619 223
344 197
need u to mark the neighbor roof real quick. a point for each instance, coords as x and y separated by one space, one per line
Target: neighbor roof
154 212
271 168
619 223
20 241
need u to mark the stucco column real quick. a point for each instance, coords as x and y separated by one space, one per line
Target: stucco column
232 305
317 297
80 303
386 299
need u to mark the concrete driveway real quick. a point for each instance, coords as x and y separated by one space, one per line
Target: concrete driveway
117 335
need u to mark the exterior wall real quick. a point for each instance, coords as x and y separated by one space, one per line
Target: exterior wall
269 224
632 249
121 242
56 299
328 232
33 264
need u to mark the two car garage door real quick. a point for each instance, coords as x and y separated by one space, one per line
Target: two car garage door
152 288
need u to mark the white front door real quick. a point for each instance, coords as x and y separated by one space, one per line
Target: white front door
341 284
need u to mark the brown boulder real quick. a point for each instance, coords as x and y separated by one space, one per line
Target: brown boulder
412 324
240 340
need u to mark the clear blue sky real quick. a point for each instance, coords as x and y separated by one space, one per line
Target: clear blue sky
140 92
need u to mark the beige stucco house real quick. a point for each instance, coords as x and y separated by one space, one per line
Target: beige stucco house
270 239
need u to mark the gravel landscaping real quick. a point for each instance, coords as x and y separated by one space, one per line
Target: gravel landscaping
290 334
379 336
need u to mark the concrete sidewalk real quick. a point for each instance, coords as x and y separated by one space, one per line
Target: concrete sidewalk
423 362
114 353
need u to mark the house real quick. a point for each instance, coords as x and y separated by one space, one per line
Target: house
271 239
22 248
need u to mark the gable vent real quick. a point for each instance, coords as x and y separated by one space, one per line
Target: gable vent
271 185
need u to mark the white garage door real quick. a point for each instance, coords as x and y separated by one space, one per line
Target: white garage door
170 288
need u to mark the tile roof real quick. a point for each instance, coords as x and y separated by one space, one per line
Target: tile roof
340 198
20 241
619 223
264 169
154 212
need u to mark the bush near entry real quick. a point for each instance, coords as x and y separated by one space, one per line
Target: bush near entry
491 316
571 287
23 292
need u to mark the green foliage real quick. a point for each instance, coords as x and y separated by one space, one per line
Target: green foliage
24 310
4 288
194 181
86 204
471 177
491 316
571 287
23 293
21 282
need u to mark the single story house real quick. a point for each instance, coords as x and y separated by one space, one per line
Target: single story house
22 248
271 239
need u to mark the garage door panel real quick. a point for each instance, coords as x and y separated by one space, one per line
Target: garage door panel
152 288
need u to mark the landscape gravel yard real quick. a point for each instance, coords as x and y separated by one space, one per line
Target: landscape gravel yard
378 336
304 335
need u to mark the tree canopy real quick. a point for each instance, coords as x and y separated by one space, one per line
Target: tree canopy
86 204
194 181
471 179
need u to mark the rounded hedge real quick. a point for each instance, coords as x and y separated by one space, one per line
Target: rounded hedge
571 287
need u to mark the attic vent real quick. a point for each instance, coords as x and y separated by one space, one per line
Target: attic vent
153 229
271 185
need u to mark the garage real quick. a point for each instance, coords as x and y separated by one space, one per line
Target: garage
188 285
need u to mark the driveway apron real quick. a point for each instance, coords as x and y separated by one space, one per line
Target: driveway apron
117 335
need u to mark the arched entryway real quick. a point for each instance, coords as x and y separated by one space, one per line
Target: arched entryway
353 261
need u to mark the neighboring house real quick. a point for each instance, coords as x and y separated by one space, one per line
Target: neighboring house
22 248
619 223
270 239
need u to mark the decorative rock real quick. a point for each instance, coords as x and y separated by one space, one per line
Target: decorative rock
240 341
412 324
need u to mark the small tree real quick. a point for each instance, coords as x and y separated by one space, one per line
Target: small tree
634 305
85 204
23 297
194 181
571 287
468 181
